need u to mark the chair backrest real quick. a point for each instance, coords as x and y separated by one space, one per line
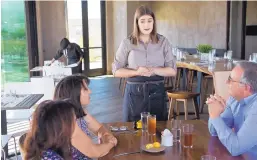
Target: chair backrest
219 79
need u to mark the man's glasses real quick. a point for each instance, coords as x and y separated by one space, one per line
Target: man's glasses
231 80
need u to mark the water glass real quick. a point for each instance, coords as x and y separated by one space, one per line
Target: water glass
179 55
208 157
144 139
213 52
151 121
254 59
144 116
229 55
225 55
211 57
176 130
188 130
250 58
211 67
174 51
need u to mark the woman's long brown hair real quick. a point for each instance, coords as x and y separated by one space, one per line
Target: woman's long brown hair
141 11
51 128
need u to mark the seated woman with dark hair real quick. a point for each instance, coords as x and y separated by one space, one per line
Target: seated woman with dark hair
55 134
75 87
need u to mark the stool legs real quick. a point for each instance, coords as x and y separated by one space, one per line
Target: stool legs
185 109
171 109
177 110
196 108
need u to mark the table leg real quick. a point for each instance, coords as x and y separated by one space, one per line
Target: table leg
199 84
4 129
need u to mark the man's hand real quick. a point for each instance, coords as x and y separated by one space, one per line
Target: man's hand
216 105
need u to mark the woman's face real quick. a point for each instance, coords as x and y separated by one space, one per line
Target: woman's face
85 94
145 24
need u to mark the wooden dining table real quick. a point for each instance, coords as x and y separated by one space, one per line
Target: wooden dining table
203 144
193 62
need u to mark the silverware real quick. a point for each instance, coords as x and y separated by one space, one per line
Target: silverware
127 153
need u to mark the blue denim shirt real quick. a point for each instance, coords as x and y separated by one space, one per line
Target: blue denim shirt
242 117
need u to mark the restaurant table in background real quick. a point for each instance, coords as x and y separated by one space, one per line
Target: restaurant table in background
16 102
192 62
203 144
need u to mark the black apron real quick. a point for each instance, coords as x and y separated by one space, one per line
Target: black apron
144 94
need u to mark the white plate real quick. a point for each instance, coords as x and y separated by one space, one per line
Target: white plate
153 150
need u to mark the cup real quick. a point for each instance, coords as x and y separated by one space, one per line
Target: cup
225 55
254 59
208 157
176 130
188 135
250 58
229 55
151 121
144 116
144 139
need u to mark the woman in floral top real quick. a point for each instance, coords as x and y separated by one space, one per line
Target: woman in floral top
56 134
75 88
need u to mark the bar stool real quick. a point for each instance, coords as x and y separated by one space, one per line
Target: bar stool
122 85
204 92
182 96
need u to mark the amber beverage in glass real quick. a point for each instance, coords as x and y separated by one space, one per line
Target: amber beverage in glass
188 135
151 121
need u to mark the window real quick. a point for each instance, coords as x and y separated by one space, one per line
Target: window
14 57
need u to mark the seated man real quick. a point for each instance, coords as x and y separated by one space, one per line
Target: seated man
235 121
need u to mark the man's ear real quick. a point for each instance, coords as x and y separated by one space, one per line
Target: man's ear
248 88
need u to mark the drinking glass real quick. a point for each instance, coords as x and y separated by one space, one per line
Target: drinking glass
250 58
144 116
254 59
151 121
179 55
213 52
225 55
208 157
211 57
188 135
229 55
176 130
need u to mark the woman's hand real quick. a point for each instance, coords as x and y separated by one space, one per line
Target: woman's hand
109 139
144 71
163 71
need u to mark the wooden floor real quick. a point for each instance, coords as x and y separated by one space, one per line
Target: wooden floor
106 101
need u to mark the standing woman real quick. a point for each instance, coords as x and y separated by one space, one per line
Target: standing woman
144 58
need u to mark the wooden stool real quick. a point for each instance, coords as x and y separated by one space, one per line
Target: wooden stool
169 83
177 79
204 93
190 80
184 96
122 85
